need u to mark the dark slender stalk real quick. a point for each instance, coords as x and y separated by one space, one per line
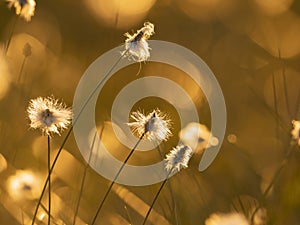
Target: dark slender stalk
155 198
297 105
116 177
21 70
271 111
274 179
46 210
275 107
11 33
69 133
170 189
84 176
242 205
49 183
286 92
117 15
284 85
234 206
48 177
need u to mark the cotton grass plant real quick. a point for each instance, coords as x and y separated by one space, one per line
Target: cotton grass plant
153 127
136 45
51 117
134 50
177 159
24 9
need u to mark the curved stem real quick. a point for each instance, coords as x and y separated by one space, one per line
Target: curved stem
116 177
84 175
48 177
11 33
21 70
284 84
69 133
49 185
170 189
155 198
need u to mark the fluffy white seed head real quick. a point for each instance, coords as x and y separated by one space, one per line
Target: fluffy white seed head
178 158
48 115
24 8
136 45
155 126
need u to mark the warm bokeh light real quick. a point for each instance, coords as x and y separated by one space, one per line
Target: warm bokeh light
232 138
206 10
187 84
274 35
253 51
121 14
197 136
3 163
273 7
24 185
38 148
5 77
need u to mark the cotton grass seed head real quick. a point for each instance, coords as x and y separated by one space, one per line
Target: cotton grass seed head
136 45
49 115
296 131
24 8
155 126
178 158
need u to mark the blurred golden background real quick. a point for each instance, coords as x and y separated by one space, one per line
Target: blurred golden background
251 46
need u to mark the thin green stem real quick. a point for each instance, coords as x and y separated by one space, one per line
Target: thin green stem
49 183
117 15
284 84
21 69
170 189
275 106
46 211
116 177
48 177
286 92
242 205
69 133
271 111
155 198
84 175
11 33
297 105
